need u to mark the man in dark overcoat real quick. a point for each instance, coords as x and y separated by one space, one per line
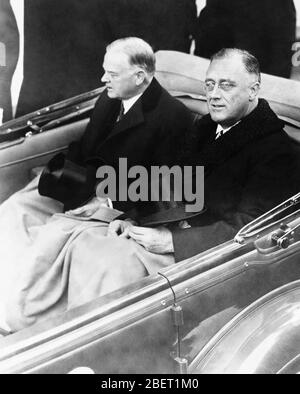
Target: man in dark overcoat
135 119
150 133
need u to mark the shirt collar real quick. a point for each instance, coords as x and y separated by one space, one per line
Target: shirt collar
130 102
220 128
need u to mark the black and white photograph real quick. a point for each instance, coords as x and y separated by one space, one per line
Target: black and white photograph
149 189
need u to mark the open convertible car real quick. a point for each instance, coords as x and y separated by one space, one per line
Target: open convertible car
231 309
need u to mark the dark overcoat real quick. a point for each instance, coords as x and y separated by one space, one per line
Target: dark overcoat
249 170
150 133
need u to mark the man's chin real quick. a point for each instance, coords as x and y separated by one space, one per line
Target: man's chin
218 118
111 94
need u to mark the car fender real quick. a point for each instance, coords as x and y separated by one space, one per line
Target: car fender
262 339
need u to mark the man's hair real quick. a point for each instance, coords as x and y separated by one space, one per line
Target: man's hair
250 61
139 52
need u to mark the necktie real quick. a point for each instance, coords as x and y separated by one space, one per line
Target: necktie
219 134
121 113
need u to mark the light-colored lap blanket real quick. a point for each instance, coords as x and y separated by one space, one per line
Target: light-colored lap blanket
18 214
54 262
40 284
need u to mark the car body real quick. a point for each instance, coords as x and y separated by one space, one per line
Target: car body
189 317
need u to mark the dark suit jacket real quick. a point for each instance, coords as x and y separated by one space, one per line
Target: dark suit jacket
248 171
266 28
150 133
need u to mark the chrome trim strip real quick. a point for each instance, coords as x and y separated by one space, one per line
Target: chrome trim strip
50 152
9 144
289 365
89 332
255 228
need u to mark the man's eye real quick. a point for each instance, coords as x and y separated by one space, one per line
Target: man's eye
226 86
209 85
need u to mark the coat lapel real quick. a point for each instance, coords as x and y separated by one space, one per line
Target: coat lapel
132 118
258 124
135 116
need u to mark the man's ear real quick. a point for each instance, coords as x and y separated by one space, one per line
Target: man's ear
254 90
140 77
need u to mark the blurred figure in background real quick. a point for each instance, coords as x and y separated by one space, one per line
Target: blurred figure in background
266 28
9 47
65 41
166 25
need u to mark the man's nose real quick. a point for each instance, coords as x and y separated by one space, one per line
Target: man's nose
215 92
104 77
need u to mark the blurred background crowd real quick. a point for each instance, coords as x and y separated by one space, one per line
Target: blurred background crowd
51 50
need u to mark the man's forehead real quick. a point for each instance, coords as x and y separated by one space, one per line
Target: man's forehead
116 59
230 67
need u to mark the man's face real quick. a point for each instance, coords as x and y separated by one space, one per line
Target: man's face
120 77
229 90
